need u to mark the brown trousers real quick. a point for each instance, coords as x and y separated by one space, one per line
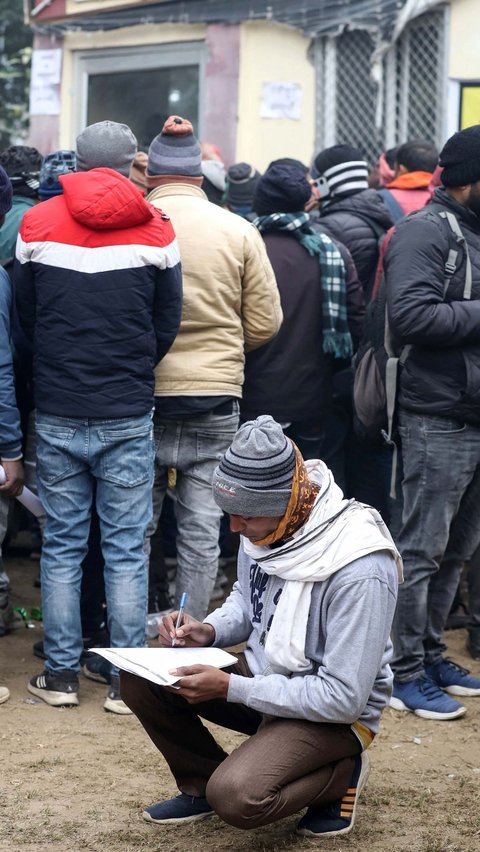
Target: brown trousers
284 766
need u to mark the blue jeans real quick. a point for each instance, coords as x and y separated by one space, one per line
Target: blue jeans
73 456
193 448
440 531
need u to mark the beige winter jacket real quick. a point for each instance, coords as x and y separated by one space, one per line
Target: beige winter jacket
230 297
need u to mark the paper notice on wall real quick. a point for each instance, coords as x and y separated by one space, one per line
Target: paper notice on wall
45 82
281 100
44 100
46 66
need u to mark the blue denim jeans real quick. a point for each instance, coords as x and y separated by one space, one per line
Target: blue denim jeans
73 457
193 447
440 531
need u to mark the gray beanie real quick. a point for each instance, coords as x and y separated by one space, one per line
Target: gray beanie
175 151
254 478
106 144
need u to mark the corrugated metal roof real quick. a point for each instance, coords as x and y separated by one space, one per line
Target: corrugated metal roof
311 16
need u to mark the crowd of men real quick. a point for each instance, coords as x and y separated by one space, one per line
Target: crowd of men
168 324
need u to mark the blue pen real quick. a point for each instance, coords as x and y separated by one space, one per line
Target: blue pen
183 601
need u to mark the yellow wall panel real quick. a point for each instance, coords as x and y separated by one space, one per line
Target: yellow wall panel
272 52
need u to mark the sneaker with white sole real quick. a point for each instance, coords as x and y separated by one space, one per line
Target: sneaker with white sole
4 694
182 808
59 689
453 678
97 668
338 817
114 702
425 698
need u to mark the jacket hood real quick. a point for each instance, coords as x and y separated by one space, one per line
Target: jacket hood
367 202
411 180
104 200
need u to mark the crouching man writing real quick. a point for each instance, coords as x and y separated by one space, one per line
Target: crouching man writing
314 601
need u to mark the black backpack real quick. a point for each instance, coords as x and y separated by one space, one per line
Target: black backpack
380 355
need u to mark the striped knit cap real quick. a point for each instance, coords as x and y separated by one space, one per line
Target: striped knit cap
254 477
344 172
175 151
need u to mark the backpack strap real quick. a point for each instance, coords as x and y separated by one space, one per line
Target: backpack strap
394 208
450 264
394 362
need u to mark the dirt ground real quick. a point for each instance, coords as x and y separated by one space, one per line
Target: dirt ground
78 779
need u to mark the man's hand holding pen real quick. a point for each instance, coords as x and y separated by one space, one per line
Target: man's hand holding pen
191 633
197 683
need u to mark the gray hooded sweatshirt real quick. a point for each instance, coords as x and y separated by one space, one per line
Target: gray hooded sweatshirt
347 642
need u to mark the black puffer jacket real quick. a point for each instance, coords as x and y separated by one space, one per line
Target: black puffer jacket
442 372
347 220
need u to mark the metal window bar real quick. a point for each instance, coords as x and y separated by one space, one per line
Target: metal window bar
414 75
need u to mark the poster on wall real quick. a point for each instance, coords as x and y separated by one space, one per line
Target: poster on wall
469 104
45 82
281 100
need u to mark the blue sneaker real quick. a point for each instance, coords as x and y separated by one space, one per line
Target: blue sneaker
453 678
182 808
424 698
338 817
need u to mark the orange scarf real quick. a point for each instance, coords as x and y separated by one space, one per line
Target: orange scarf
302 498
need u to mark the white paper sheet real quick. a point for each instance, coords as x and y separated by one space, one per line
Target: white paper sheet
27 498
281 100
155 663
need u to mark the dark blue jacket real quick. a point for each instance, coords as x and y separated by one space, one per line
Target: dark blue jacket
10 434
98 289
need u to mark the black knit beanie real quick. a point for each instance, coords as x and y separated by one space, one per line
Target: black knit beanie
22 165
282 189
460 157
289 161
5 193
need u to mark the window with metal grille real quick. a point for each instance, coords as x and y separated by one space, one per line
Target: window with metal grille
422 74
356 93
407 102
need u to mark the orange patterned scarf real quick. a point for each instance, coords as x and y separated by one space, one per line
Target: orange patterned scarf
302 498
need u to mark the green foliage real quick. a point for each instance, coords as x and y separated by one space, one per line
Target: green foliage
15 57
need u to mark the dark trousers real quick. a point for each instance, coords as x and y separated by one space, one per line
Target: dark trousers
440 531
284 766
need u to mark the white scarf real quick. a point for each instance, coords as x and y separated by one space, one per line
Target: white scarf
337 532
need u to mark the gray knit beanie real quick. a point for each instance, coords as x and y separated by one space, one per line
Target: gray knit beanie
254 478
175 151
242 180
106 144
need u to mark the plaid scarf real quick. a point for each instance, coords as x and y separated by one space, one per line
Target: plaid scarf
336 336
